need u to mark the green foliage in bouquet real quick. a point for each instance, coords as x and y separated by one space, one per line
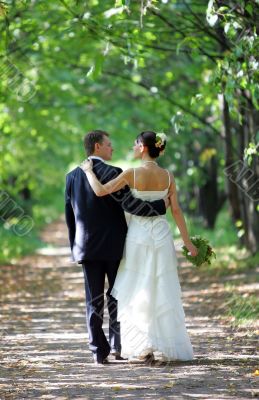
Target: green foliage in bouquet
205 252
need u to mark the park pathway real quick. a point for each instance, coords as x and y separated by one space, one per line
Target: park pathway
44 352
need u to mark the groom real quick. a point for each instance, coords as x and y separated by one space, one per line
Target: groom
97 231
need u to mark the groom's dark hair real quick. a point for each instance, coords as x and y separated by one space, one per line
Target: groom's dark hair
93 137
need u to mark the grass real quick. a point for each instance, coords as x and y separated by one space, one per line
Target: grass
232 260
241 269
243 308
224 233
237 269
14 246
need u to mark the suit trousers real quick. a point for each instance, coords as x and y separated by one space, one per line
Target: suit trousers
94 276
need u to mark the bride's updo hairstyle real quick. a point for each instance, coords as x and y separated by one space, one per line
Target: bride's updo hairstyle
153 142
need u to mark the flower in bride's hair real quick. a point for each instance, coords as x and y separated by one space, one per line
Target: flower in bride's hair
160 139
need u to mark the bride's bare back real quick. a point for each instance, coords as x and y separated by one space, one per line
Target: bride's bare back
150 177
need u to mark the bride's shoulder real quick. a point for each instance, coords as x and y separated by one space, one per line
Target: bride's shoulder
127 175
129 171
168 172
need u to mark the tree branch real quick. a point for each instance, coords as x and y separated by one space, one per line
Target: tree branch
165 97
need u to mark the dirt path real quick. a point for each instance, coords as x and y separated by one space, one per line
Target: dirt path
44 351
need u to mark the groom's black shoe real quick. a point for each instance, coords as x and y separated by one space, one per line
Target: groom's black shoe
99 360
117 355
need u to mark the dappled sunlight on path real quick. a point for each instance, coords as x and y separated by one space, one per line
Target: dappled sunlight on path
44 352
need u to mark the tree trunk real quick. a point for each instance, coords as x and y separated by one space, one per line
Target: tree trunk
248 180
210 201
230 165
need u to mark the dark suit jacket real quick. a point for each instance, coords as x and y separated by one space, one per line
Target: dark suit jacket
97 226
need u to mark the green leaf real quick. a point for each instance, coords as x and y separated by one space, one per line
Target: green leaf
222 9
96 69
249 9
190 41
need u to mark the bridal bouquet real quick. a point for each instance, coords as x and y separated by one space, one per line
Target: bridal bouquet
205 252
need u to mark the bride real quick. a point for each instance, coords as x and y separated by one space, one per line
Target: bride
147 286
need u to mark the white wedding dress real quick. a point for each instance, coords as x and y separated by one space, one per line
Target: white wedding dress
148 291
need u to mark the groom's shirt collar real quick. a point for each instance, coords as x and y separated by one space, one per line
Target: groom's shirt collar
96 158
